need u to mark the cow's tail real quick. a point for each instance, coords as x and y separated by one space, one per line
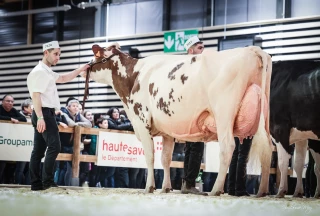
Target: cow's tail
260 152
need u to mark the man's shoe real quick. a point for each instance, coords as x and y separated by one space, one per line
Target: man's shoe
191 190
231 192
37 188
242 193
47 186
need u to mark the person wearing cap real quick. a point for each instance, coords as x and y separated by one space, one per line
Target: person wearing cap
194 46
41 83
193 150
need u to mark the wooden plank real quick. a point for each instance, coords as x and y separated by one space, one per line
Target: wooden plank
64 157
88 158
76 152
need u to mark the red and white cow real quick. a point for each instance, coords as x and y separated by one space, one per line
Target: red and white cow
208 97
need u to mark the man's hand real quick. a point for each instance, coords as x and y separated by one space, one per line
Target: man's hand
14 120
83 68
41 125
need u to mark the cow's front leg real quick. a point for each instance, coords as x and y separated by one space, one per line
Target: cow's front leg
300 156
227 146
316 157
166 158
283 163
148 147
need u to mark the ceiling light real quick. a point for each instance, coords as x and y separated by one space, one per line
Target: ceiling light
35 11
84 5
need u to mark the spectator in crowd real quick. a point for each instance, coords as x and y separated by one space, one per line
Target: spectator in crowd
115 122
9 113
73 118
135 174
88 115
22 177
26 109
80 109
95 170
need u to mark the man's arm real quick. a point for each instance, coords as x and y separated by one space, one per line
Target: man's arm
19 116
37 106
71 75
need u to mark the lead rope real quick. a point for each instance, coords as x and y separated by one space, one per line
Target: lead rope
86 89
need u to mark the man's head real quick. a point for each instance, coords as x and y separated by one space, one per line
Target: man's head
194 46
7 102
27 106
73 106
51 53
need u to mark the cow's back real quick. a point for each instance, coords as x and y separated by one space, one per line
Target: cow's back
295 96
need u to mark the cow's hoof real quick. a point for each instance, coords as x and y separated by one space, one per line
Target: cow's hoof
299 195
317 195
166 190
281 194
217 193
151 189
264 194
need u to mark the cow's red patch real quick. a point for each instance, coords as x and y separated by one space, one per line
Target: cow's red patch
171 75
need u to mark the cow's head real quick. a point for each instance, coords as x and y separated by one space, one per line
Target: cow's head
105 62
113 67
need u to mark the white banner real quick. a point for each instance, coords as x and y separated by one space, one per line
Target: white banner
212 159
16 142
125 150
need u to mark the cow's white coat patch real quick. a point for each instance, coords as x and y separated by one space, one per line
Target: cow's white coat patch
297 135
283 162
122 69
102 76
316 157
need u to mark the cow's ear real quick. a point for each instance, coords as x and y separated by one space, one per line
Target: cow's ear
95 49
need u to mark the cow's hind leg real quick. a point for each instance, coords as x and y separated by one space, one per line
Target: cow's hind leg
283 163
300 156
316 157
166 159
261 151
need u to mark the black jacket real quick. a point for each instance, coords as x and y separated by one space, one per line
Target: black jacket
120 124
13 113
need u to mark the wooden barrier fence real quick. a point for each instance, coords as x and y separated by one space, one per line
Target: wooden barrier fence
76 157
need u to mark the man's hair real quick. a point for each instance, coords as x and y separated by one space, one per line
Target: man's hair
6 96
73 99
110 111
99 121
26 103
49 50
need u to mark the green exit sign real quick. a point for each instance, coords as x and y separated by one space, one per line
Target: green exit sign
174 41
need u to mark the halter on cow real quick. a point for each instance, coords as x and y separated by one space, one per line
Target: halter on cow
208 97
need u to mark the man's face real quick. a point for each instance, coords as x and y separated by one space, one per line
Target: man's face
7 103
29 109
197 49
73 108
52 57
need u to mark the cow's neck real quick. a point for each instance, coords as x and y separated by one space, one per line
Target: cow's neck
124 76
